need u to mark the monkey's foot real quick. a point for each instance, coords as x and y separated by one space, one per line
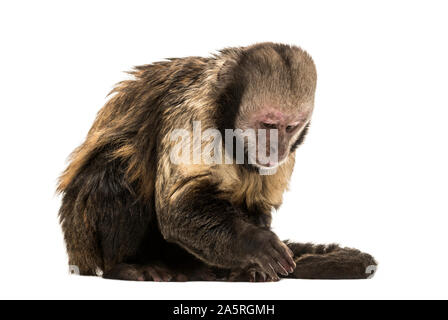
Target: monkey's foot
203 273
152 272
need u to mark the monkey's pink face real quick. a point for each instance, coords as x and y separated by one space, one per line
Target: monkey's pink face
282 130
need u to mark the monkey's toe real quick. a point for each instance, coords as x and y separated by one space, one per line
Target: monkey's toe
157 273
125 271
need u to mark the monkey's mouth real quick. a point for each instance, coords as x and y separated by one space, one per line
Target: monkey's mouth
269 164
263 161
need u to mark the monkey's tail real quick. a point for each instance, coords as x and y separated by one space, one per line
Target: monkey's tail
330 262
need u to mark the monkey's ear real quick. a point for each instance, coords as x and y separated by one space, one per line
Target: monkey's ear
229 88
225 75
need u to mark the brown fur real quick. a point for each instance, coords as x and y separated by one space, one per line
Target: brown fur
128 211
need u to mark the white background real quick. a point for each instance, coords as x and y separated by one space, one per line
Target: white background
372 174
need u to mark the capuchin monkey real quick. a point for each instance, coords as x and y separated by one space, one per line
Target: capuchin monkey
131 212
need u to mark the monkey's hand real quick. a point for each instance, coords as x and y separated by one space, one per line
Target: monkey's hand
263 249
216 232
252 273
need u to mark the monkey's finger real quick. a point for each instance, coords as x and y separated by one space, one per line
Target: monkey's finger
269 264
279 263
285 265
270 270
279 269
253 276
284 273
266 268
165 275
261 277
275 276
289 250
286 260
153 275
282 247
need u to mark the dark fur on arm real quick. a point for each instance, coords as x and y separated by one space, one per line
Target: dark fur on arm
203 224
215 231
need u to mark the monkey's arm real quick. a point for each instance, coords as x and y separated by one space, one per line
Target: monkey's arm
213 230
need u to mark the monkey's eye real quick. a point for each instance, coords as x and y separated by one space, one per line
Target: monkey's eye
269 125
290 128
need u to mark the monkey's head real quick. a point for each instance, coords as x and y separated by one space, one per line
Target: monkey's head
271 87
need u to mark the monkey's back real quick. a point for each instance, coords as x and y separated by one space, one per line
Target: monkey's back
135 114
112 174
